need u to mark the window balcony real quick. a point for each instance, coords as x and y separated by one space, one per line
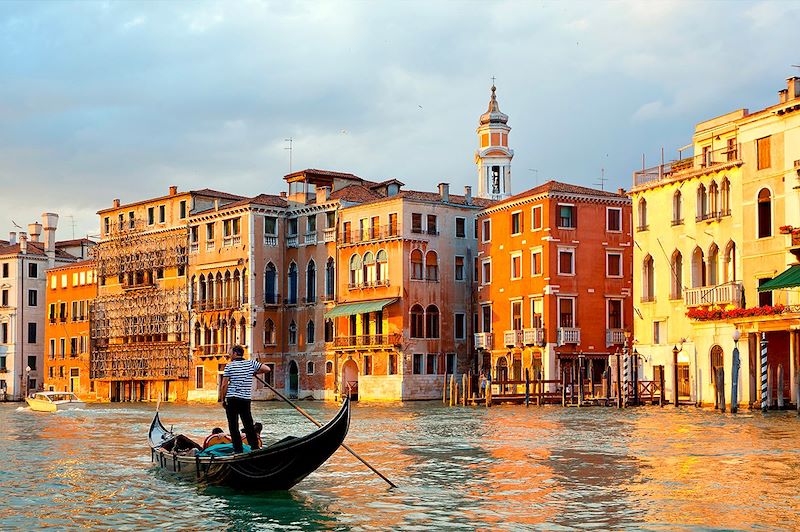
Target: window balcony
211 350
194 247
709 161
270 241
723 294
368 340
483 340
329 234
512 338
615 337
210 245
216 304
291 241
533 336
569 335
310 239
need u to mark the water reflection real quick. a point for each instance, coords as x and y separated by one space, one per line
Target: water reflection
502 468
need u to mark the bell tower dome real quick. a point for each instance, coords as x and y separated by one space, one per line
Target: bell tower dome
493 157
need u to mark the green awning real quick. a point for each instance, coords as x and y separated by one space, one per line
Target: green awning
787 279
362 307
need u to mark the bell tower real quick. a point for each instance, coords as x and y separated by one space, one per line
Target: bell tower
493 157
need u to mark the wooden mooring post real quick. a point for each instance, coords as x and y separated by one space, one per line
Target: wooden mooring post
444 390
527 387
488 393
769 386
465 387
453 390
720 383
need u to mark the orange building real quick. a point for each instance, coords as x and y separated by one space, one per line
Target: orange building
554 281
69 293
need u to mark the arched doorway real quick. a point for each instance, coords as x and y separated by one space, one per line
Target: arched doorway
294 379
501 370
350 379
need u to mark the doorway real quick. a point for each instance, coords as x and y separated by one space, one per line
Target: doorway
684 390
74 380
294 379
350 379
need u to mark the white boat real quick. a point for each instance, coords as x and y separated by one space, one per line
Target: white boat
53 401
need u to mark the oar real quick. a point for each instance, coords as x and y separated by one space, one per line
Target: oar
317 423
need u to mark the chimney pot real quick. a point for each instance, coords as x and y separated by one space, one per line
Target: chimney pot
283 194
173 190
444 191
116 203
783 95
23 243
50 222
621 191
323 193
793 87
468 195
35 231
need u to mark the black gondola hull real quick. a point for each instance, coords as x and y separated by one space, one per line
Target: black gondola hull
276 467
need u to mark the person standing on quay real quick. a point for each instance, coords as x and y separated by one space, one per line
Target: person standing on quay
235 392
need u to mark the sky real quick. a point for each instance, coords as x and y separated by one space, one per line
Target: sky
104 100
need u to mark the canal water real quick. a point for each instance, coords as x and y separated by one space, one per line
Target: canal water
504 468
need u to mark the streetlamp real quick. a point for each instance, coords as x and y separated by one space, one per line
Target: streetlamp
675 374
735 371
27 380
636 377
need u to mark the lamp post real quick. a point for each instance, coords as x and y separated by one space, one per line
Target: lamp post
27 379
735 372
675 375
619 385
636 377
627 361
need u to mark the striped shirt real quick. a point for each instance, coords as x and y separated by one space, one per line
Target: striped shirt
240 373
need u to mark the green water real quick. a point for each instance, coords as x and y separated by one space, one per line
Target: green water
505 468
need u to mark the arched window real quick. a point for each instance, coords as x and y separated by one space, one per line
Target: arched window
676 288
226 290
725 198
330 279
712 265
368 269
713 199
432 322
702 207
764 213
677 208
328 367
417 322
202 291
311 282
292 333
242 331
197 334
642 214
717 360
329 330
355 266
236 289
431 266
648 279
698 268
729 266
416 264
310 332
270 284
381 271
269 332
293 284
310 367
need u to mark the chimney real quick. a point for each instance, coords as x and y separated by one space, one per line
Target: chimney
323 193
35 230
468 195
173 190
783 95
621 191
793 87
216 204
283 194
444 191
12 237
23 243
116 203
50 222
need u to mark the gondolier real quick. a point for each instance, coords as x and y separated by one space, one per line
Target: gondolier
236 392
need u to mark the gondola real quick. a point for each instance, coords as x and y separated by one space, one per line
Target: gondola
278 466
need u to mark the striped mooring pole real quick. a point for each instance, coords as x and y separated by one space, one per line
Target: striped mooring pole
625 376
763 372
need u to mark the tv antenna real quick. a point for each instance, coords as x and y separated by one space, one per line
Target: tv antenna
290 140
535 175
72 223
602 180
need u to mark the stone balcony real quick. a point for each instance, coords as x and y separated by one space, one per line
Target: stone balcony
512 338
533 336
483 340
723 294
569 335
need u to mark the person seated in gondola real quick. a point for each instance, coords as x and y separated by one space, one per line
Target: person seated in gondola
216 437
259 427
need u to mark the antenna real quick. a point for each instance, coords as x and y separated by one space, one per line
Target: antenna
602 180
290 140
493 78
72 223
535 174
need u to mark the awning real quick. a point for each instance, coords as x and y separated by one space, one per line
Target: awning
787 279
362 307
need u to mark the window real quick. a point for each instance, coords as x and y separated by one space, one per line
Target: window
310 332
516 223
677 208
459 268
536 313
292 333
328 367
516 265
33 270
198 377
450 363
62 343
764 298
486 317
4 298
657 332
717 360
487 231
725 198
270 226
291 227
32 361
642 210
391 366
382 268
432 229
311 282
416 222
3 363
516 315
292 284
417 322
368 269
269 332
614 264
566 312
5 270
416 264
151 215
432 322
536 218
486 270
648 279
73 346
230 227
702 203
615 314
393 229
270 284
764 213
566 217
210 231
193 235
763 153
566 261
417 364
131 220
309 367
52 351
162 214
329 330
330 279
367 363
346 235
676 286
4 333
460 325
614 219
31 333
311 224
536 262
431 266
461 228
32 298
355 267
433 366
182 212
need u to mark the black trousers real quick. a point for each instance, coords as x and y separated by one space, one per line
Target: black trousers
240 408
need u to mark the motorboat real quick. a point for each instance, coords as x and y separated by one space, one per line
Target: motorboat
53 401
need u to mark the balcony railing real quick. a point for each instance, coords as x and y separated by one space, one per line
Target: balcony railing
533 336
211 349
615 337
229 241
310 238
483 340
370 234
210 245
291 241
728 293
271 241
708 160
569 335
512 338
369 340
194 247
329 234
216 304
